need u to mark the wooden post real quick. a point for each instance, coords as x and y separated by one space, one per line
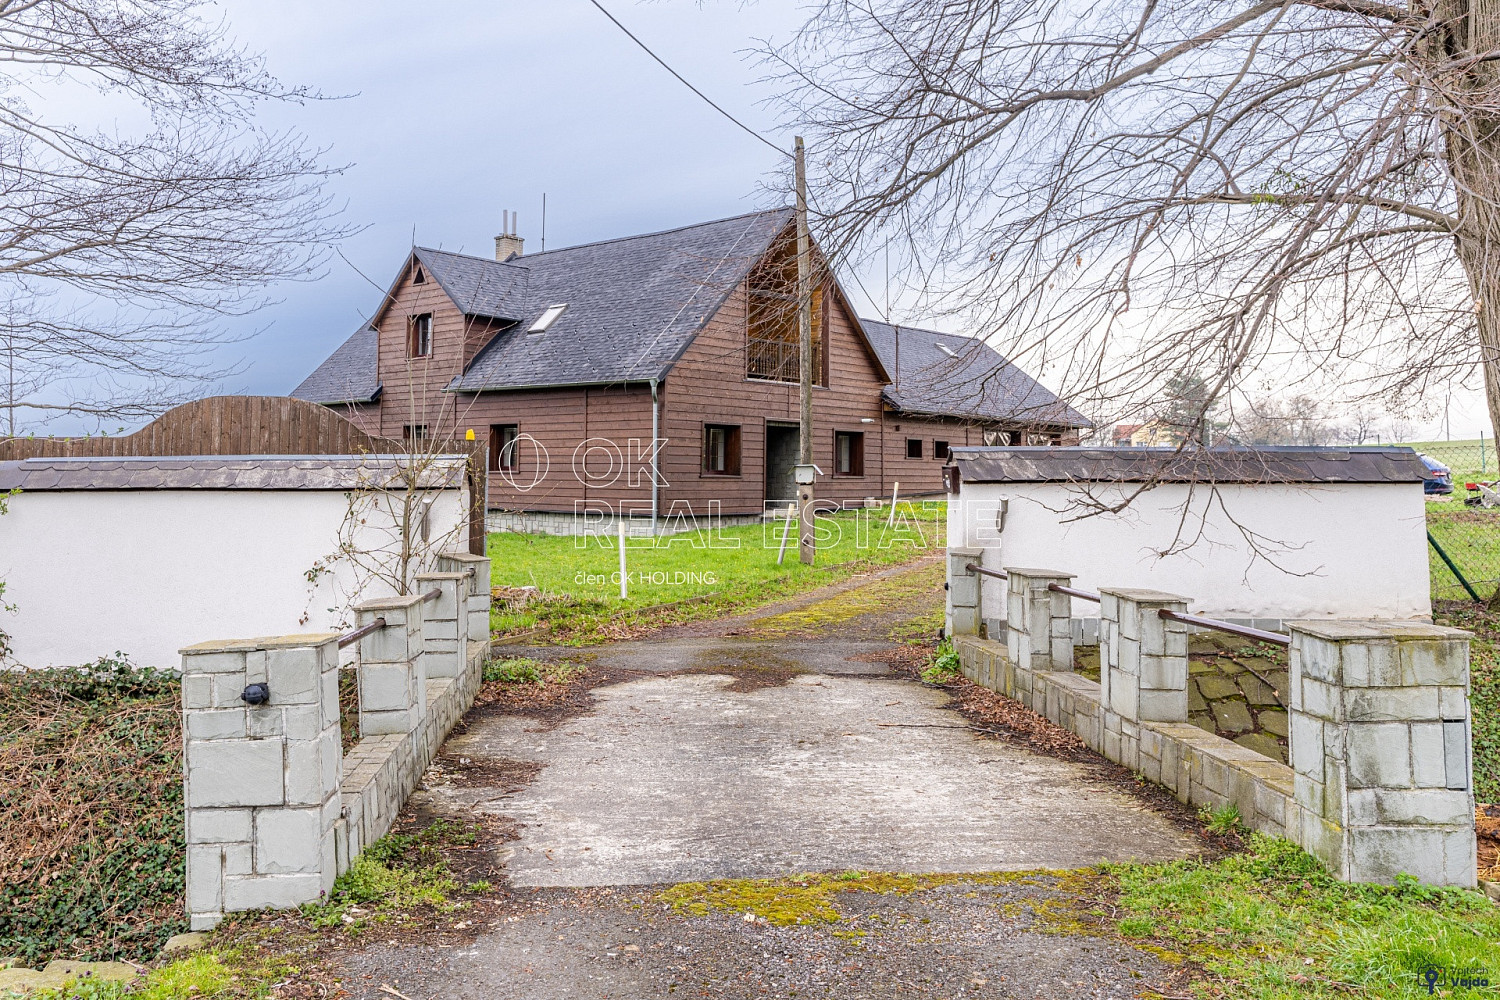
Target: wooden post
806 542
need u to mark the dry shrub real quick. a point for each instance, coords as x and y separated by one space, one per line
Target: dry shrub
91 823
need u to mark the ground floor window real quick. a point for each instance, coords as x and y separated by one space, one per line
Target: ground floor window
940 449
414 432
503 447
996 438
913 447
848 453
721 450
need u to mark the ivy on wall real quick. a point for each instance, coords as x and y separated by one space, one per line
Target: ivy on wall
92 848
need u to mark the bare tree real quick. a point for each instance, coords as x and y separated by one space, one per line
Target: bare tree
1119 191
118 250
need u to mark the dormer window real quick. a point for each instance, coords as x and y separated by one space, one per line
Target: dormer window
548 318
419 336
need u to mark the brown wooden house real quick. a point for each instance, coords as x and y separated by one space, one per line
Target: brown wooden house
572 362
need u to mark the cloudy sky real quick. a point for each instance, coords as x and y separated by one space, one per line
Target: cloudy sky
461 110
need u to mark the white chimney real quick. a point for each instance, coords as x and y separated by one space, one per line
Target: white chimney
508 244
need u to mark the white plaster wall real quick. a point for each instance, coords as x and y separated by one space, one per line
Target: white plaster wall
149 572
1341 550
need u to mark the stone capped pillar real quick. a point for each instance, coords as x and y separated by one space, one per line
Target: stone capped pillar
392 667
1039 634
1143 668
478 570
261 781
1380 749
445 622
964 613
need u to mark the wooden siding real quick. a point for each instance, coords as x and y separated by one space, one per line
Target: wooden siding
708 385
577 432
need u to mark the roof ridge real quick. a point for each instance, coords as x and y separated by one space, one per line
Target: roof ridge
520 261
908 328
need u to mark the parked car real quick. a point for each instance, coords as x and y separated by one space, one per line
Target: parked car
1439 478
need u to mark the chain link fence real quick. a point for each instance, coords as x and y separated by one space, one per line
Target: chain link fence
1463 527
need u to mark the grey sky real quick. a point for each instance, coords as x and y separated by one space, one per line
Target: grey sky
463 109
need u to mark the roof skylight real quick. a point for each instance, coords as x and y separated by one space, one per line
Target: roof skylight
548 318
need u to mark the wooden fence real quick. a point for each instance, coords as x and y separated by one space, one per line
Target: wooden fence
249 425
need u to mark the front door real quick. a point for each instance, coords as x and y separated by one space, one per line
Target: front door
783 442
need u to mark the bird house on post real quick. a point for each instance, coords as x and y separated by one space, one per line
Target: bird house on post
806 474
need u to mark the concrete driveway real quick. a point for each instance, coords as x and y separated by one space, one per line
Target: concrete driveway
747 750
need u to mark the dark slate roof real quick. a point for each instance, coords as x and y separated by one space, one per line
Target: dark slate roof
224 472
975 382
1236 465
634 304
350 375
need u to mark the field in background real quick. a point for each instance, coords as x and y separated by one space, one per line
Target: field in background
1468 459
717 572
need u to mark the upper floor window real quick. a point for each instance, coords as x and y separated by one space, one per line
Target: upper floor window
419 336
940 449
848 453
721 450
913 447
773 348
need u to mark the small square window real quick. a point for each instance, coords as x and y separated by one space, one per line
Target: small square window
940 450
913 447
848 453
419 336
503 447
721 450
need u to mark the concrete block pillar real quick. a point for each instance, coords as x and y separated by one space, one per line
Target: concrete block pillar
1040 622
478 570
392 667
445 622
1143 665
963 612
262 763
1380 749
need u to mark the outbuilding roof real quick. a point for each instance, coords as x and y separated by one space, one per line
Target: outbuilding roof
946 374
231 472
1230 465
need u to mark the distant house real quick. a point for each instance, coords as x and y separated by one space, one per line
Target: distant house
571 362
1151 434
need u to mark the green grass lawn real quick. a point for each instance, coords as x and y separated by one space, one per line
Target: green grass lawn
1471 538
720 572
1270 924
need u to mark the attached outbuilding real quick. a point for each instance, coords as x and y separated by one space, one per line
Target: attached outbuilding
1262 535
146 555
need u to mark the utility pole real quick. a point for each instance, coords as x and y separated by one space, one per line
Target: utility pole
807 547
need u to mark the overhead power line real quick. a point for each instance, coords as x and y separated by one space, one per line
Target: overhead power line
683 80
875 305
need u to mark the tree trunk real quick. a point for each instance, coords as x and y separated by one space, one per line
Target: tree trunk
1473 140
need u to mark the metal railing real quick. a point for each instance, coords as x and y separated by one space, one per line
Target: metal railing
351 637
997 574
1086 595
1243 631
